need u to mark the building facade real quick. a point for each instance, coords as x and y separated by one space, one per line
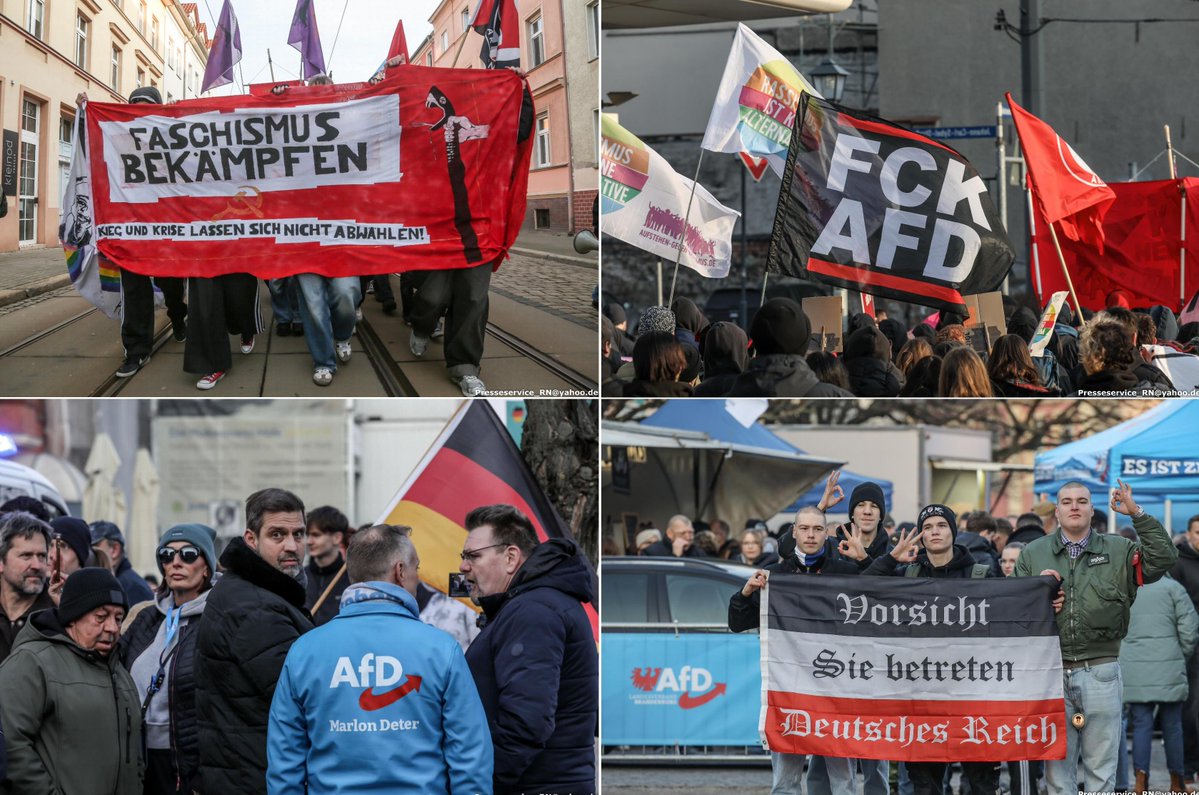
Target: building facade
50 51
559 43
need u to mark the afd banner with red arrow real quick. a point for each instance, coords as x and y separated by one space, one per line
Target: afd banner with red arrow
912 670
428 169
872 206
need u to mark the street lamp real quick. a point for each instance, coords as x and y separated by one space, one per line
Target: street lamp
829 79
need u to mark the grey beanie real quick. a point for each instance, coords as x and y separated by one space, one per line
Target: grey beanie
198 535
656 318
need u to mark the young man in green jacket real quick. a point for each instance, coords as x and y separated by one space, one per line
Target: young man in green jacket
1100 575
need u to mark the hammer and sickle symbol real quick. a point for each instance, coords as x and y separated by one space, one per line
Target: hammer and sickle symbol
249 203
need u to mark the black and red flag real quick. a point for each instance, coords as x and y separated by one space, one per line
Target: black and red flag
872 206
474 462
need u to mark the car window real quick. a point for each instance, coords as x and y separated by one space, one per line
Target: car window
626 598
698 600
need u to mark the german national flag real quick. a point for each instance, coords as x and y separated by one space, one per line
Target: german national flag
473 463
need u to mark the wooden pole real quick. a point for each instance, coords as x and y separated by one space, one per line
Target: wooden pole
1062 259
328 590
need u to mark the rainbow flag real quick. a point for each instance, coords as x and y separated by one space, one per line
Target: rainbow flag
94 277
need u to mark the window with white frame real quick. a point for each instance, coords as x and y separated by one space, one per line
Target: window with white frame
36 19
141 77
536 42
465 19
543 140
171 62
445 42
593 29
141 17
154 33
115 74
429 57
82 24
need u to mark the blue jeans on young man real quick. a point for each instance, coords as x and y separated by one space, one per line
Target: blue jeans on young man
1141 718
285 299
1122 754
328 307
1095 691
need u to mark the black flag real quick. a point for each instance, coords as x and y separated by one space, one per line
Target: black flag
872 206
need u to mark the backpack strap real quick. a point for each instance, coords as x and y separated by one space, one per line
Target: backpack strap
912 570
979 571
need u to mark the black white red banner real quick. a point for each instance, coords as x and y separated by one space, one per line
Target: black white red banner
914 670
424 170
875 207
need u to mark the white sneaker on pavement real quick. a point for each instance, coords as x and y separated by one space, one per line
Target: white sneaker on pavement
439 331
344 351
322 376
417 344
470 385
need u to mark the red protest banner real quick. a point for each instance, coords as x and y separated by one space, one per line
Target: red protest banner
426 170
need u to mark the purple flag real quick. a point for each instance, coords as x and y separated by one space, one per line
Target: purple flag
307 39
226 51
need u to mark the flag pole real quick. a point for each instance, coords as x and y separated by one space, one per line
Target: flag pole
686 220
762 300
659 282
1182 245
270 63
1062 259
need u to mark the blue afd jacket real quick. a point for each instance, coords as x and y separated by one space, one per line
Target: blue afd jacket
375 701
538 674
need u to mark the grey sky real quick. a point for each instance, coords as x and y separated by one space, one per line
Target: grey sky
365 35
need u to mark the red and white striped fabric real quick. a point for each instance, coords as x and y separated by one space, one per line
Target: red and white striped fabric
499 25
912 670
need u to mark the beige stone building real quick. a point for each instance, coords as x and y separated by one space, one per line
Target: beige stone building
50 50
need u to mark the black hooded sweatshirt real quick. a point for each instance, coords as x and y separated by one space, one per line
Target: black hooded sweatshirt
960 567
744 611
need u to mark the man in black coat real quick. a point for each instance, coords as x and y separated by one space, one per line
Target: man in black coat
679 541
254 614
535 662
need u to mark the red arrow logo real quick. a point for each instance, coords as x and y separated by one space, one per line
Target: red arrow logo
688 701
371 701
756 165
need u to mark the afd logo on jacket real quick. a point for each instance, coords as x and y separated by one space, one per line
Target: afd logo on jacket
382 682
692 686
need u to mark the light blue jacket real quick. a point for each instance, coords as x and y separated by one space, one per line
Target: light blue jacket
377 702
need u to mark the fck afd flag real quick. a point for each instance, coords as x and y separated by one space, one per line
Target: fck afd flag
912 670
499 24
426 170
872 206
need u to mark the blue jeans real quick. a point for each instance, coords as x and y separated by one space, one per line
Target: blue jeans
285 299
1141 718
825 775
1122 754
1097 692
328 314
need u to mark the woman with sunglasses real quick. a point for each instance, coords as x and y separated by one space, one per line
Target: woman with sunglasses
159 649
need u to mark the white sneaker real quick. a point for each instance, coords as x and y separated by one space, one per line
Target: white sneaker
344 351
358 314
470 385
417 344
440 330
247 344
322 376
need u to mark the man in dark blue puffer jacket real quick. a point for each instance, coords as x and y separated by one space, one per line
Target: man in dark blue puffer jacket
535 662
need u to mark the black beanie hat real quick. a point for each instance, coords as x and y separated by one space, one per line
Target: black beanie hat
146 94
939 510
868 492
74 533
780 326
87 589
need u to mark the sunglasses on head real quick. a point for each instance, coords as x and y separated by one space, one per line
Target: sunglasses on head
189 554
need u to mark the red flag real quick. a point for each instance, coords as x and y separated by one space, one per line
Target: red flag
399 45
1064 187
497 22
473 463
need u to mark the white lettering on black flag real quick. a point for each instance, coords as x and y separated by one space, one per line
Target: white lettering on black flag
872 206
915 670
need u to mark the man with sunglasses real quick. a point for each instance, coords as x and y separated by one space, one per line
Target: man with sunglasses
535 661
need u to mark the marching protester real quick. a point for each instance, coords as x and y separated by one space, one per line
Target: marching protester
1163 630
1097 601
253 615
24 544
805 550
535 662
659 360
285 306
378 685
326 573
159 650
107 538
69 708
780 333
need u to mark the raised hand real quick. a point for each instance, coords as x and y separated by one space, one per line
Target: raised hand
907 545
851 544
1122 501
833 494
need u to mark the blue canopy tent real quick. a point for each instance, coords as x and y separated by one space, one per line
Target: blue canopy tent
1154 453
713 418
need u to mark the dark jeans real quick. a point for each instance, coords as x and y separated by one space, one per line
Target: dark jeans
137 327
1190 717
463 291
1140 718
928 778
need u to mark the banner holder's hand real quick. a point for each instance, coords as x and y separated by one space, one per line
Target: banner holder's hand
1059 599
756 582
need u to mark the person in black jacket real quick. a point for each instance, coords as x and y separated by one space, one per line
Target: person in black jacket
805 549
327 528
254 614
535 662
159 650
679 541
868 362
780 332
726 352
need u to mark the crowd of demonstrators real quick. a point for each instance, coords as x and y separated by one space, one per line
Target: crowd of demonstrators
1111 351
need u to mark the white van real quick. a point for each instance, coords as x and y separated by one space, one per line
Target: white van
17 480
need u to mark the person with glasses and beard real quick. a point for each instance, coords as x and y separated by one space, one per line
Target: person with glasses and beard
159 650
253 616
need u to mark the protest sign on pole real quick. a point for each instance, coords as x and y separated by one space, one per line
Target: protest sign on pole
912 670
985 318
1045 327
824 315
871 206
426 170
643 202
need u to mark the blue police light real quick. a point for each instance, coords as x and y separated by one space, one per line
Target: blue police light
7 446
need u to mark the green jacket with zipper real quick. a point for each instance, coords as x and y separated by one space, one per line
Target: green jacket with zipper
1101 584
72 718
